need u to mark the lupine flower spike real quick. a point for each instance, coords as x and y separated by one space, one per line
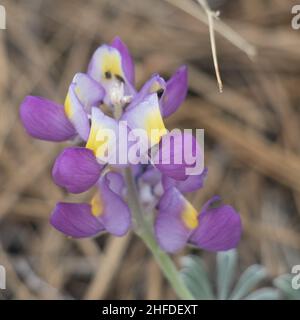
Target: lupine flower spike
101 107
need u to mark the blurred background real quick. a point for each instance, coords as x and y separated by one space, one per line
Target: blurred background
252 135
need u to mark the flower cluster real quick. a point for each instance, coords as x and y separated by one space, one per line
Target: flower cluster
97 100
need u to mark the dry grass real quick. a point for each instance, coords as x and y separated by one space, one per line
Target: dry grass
252 135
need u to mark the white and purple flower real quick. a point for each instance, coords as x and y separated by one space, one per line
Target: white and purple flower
110 82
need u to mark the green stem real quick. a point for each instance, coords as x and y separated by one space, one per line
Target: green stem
145 232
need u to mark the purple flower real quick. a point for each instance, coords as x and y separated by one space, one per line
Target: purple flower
175 92
76 169
106 212
83 93
171 94
46 120
178 222
127 61
113 69
84 163
192 183
161 179
176 153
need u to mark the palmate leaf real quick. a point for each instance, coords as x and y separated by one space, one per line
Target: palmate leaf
284 284
195 277
264 294
226 268
251 277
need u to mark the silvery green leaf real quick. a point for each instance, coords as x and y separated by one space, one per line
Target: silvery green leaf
264 294
196 278
226 267
248 281
284 284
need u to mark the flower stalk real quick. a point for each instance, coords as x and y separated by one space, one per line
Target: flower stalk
144 231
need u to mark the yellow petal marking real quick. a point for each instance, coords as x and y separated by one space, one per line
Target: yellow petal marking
111 62
190 216
155 127
155 87
68 107
92 142
97 141
97 205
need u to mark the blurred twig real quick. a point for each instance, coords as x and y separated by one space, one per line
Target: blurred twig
221 27
108 266
211 16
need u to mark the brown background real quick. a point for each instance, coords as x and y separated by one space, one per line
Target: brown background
252 134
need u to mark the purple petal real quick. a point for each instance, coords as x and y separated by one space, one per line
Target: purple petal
103 136
137 170
146 116
155 84
76 169
151 176
177 152
76 113
89 92
176 92
115 182
97 66
116 216
219 228
150 187
127 61
192 183
209 203
171 232
75 220
45 120
106 67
